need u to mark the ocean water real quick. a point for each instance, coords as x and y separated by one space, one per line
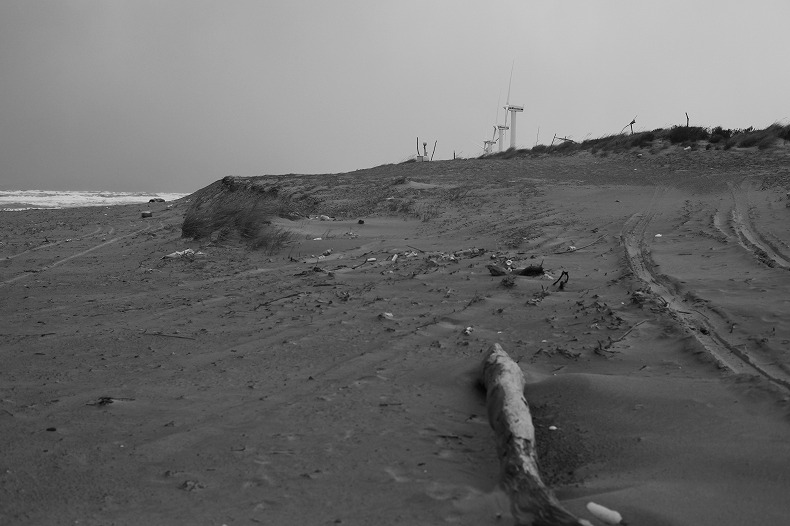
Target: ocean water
12 200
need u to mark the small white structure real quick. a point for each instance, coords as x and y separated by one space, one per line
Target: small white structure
424 157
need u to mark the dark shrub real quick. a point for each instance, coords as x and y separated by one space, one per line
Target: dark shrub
687 133
643 140
721 132
748 141
566 146
766 142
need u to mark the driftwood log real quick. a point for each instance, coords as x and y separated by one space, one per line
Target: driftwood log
531 502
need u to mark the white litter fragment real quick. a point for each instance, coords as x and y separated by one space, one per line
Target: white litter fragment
316 239
324 218
468 331
604 514
658 235
394 257
180 254
370 260
552 428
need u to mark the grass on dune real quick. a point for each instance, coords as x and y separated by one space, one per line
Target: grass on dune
661 138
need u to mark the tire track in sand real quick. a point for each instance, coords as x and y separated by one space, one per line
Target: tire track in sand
79 254
704 326
56 243
748 237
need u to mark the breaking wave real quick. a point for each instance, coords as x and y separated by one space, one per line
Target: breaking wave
13 200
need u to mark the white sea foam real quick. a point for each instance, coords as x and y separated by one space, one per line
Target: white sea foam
27 199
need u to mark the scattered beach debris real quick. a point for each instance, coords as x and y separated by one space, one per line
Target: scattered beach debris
538 296
468 331
107 400
496 270
572 248
386 316
265 303
168 335
191 485
147 213
531 270
560 283
470 253
639 297
604 514
187 253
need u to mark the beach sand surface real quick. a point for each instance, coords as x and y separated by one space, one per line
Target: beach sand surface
243 387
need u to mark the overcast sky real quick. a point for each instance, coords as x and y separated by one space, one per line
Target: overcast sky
170 95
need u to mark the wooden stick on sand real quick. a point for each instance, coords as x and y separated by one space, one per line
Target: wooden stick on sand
531 502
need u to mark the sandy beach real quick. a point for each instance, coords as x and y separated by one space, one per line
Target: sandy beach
336 380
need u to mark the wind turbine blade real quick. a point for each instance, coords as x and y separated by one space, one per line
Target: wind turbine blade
509 85
498 101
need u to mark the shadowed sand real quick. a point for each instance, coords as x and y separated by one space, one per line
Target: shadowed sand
240 387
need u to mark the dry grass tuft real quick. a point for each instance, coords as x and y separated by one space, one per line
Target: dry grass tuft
236 208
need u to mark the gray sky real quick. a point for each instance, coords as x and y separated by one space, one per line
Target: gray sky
170 95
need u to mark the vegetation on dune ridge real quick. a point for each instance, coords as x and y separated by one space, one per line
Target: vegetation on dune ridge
239 208
694 137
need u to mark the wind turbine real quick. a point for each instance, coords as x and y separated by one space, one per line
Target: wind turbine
488 145
512 110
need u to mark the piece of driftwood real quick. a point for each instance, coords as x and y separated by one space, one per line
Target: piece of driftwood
531 270
497 270
531 502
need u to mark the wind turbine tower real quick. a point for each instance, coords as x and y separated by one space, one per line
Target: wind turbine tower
501 129
487 146
513 110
